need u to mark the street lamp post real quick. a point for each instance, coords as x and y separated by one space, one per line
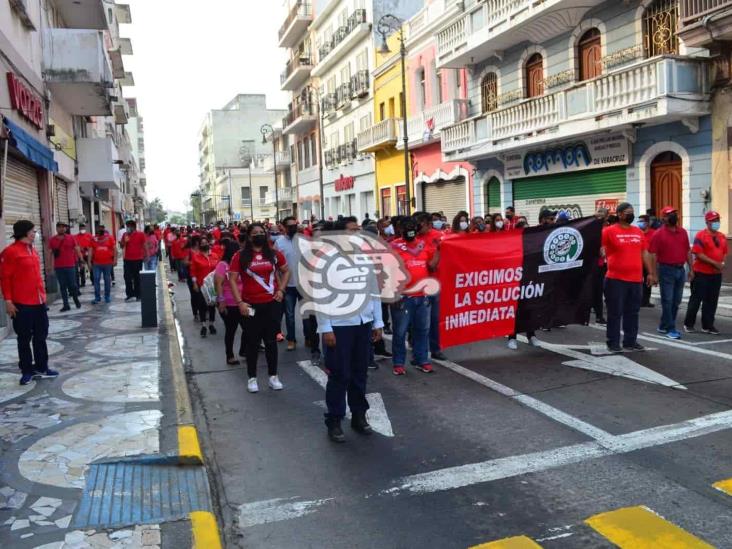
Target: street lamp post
246 155
386 25
268 130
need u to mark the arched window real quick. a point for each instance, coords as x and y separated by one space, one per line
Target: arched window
534 74
660 28
589 54
489 92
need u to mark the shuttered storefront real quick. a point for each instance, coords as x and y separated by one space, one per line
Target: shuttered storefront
444 196
22 201
578 193
62 201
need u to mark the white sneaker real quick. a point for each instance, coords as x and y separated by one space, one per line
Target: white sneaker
534 341
252 386
512 344
275 383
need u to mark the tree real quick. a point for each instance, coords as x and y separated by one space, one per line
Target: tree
156 212
177 219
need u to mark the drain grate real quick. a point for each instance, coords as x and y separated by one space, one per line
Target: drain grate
141 492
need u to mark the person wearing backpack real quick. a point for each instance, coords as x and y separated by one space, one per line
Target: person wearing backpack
262 273
202 263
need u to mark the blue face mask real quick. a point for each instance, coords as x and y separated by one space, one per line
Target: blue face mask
715 225
643 225
437 224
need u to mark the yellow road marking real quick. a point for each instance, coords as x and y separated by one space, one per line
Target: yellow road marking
205 530
724 486
189 450
640 528
518 542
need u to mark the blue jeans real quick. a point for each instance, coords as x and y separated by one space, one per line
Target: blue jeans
66 277
434 323
414 312
99 271
151 264
292 296
671 281
623 301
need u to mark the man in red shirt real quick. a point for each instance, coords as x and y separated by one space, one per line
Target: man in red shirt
103 257
83 239
414 308
25 301
432 237
133 243
710 252
66 253
670 253
626 252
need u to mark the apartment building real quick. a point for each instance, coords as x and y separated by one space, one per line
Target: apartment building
231 145
136 131
576 105
64 147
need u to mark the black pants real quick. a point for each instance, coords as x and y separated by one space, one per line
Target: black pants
347 364
598 298
204 310
31 326
81 273
623 306
385 315
262 327
310 325
705 292
232 321
132 269
66 277
646 299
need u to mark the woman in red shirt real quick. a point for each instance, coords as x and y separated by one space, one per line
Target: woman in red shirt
202 263
262 273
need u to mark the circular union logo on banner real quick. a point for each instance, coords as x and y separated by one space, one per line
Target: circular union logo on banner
562 249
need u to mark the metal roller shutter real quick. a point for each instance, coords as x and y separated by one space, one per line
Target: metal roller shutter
22 201
577 193
444 196
62 201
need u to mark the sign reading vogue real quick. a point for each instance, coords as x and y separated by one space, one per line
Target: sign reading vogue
603 151
24 101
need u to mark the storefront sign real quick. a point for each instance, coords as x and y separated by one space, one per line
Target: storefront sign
25 101
345 183
610 203
596 152
573 206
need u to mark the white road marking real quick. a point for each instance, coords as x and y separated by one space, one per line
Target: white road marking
377 414
450 478
710 342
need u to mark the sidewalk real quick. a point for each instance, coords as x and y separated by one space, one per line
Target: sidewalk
90 459
724 308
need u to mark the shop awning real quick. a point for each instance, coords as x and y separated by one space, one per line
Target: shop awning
30 147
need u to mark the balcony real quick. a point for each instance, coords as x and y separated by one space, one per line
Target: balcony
360 85
425 127
98 163
342 154
296 24
343 41
379 136
284 160
118 48
77 71
705 21
82 14
653 91
329 104
344 95
493 26
296 73
121 111
284 194
303 117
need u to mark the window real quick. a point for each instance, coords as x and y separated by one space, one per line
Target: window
439 87
300 156
489 92
314 150
589 53
331 84
306 150
362 61
346 73
421 88
246 194
534 76
334 141
402 200
660 26
365 122
385 202
263 192
382 112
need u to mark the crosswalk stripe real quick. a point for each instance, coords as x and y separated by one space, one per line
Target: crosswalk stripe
724 486
641 528
518 542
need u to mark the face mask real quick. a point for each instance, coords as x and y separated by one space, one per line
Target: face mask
291 230
389 230
259 240
222 227
480 227
629 218
410 236
82 231
437 224
673 219
204 248
463 225
509 216
499 224
715 225
642 225
129 229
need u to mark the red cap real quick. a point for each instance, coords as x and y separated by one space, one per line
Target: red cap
667 210
711 216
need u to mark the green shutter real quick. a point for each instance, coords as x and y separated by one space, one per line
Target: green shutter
493 194
588 182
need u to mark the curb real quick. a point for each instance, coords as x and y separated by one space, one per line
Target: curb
205 530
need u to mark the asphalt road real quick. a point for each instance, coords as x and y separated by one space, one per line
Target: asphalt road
495 444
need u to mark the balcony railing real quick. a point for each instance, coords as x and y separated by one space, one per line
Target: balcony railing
284 195
302 61
695 10
357 18
341 154
667 88
299 111
283 158
328 104
301 12
360 84
378 136
433 119
343 95
246 202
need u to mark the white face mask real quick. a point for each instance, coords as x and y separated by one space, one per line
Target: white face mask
463 225
82 231
499 224
389 230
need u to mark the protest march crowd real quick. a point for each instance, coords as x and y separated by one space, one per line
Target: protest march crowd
246 274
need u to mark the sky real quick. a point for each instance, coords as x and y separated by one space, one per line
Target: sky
189 58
